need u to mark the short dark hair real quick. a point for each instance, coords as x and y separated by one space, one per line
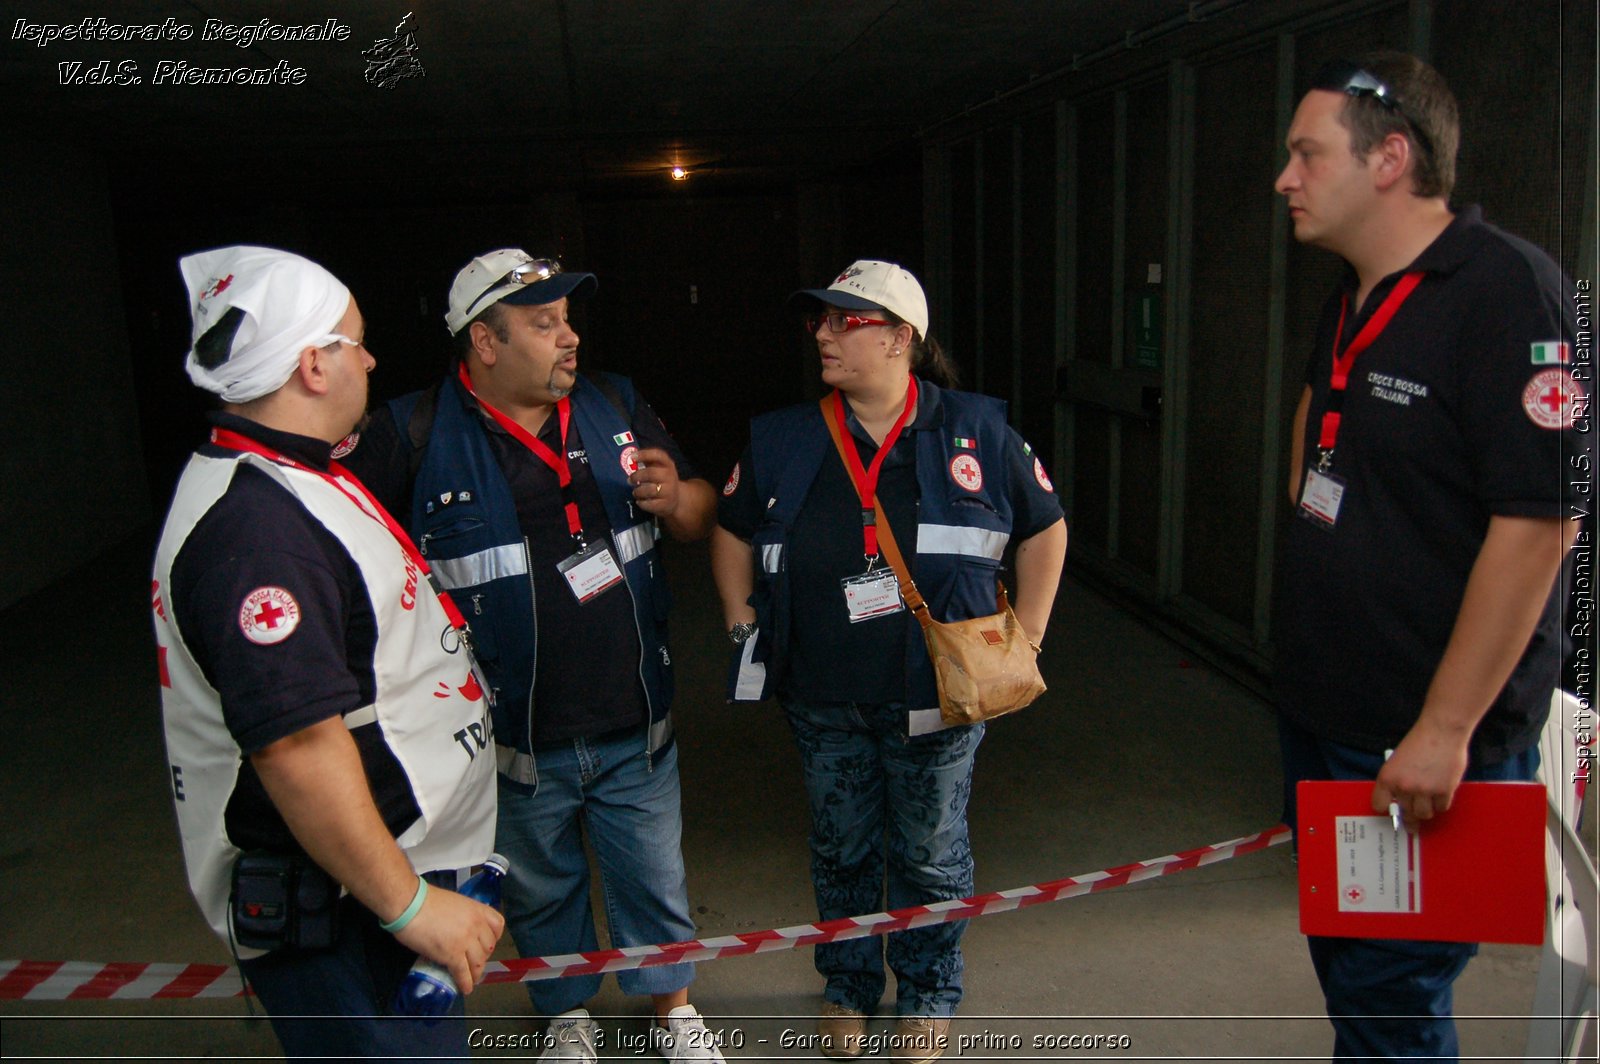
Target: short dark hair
494 317
1423 99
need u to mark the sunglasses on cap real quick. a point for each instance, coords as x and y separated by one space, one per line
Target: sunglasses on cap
1341 75
531 272
839 322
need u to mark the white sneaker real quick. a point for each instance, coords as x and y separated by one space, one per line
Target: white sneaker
570 1037
685 1038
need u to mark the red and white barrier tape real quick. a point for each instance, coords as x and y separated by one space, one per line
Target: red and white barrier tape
87 981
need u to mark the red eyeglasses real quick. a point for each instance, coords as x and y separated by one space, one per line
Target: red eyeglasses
839 322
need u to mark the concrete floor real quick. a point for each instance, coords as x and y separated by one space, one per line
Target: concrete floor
1138 750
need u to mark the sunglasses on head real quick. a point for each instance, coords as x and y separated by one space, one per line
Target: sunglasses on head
531 272
1341 75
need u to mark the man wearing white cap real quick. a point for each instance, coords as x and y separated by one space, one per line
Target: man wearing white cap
315 688
538 495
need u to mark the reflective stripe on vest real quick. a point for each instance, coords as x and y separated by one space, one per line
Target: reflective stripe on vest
635 542
960 539
358 718
480 568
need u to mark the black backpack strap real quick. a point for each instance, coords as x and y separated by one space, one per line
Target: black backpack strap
420 426
608 388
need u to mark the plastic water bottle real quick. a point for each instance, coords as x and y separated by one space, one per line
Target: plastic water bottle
428 990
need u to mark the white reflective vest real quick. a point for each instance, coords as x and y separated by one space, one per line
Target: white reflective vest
429 709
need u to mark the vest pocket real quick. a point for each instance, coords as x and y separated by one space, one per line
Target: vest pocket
448 539
485 580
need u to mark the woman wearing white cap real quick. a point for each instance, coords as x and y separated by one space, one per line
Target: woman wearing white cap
820 623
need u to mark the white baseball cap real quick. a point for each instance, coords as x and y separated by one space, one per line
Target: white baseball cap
514 276
872 285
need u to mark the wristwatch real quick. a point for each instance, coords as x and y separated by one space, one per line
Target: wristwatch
741 632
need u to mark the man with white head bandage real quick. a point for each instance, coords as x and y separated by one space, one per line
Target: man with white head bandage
280 304
324 721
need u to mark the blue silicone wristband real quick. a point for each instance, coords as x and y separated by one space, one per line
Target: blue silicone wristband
398 924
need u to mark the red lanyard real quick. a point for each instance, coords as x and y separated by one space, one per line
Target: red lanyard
866 480
344 480
556 461
1342 363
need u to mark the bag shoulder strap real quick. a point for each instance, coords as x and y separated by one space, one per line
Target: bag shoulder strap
886 543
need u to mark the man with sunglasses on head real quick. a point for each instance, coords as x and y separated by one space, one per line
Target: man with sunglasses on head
538 494
1428 448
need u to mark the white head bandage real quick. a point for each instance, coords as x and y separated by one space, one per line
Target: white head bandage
285 304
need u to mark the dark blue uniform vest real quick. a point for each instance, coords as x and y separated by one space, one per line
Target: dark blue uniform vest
476 549
961 534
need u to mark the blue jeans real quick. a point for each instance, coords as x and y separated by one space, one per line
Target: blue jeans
629 808
866 779
1386 998
333 1003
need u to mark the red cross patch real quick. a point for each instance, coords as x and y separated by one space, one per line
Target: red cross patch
268 615
630 460
966 472
1553 399
733 481
1041 476
345 446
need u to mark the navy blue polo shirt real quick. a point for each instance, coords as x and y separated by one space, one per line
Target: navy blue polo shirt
257 535
1447 421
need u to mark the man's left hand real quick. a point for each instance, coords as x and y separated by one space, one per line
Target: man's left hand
655 483
1423 773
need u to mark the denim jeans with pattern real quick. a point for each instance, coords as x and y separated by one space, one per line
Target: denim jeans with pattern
888 830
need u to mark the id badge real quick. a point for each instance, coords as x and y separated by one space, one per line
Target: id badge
591 571
869 595
1320 498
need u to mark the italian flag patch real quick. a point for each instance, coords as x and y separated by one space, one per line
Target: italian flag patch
1551 353
968 442
622 438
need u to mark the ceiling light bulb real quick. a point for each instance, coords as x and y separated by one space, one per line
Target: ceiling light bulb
679 174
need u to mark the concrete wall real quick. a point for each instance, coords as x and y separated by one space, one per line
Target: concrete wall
70 456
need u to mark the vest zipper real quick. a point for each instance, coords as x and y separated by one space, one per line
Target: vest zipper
649 709
533 674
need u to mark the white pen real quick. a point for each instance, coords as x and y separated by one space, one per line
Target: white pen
1394 807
